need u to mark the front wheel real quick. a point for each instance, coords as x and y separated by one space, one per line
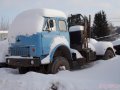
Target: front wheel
60 63
108 54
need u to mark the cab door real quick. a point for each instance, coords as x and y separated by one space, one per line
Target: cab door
48 34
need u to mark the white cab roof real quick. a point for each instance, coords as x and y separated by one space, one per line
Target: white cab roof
44 12
31 21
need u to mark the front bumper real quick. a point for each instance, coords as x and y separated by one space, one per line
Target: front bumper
23 62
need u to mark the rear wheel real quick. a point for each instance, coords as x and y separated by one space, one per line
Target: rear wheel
108 54
60 63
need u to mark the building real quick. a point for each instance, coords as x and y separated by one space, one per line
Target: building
3 35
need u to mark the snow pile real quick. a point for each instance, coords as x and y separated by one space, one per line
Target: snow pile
3 50
92 41
99 75
25 25
10 80
100 46
31 22
58 41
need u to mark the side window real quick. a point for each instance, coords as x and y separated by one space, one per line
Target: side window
62 26
48 25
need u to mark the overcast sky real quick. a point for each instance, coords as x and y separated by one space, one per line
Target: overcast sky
10 8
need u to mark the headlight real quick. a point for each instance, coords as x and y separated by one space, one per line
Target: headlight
32 62
8 61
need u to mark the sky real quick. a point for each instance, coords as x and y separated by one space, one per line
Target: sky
10 8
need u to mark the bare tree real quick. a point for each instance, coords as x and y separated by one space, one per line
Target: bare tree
4 23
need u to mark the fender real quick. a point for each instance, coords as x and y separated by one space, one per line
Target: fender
59 41
101 47
56 48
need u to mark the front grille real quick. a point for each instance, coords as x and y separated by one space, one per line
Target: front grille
19 51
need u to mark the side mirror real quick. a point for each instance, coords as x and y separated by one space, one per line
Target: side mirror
51 23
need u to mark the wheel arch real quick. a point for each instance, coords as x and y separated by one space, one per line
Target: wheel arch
109 48
61 50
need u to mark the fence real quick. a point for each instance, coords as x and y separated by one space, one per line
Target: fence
111 37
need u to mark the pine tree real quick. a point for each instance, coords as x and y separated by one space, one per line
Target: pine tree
100 25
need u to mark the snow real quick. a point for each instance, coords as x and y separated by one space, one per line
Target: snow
76 28
99 75
92 41
116 42
60 40
46 60
20 57
92 47
31 22
100 46
78 55
3 31
3 50
25 25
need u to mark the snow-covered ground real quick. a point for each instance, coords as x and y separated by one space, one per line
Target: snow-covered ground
98 75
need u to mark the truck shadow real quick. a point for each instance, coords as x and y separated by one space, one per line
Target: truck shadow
76 66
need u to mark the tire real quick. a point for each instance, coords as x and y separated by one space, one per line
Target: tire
60 63
23 70
108 54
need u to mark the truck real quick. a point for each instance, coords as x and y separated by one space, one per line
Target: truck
48 41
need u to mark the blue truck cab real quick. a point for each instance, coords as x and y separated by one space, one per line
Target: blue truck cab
38 44
40 40
35 35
